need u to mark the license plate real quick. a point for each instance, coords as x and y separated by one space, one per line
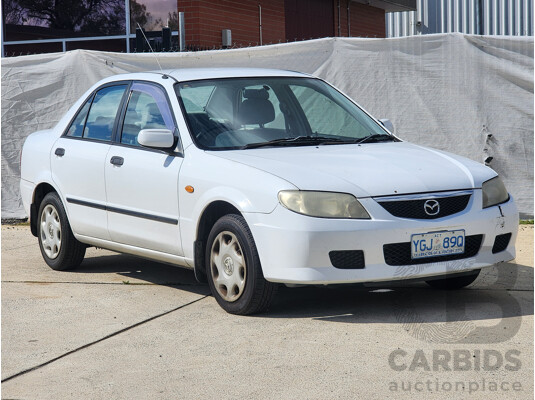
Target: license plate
437 244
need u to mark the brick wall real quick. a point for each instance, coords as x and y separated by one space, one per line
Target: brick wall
205 19
365 21
308 19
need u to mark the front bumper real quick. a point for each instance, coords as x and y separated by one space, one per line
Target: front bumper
295 249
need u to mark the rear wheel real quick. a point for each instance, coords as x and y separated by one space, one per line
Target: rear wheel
59 247
233 268
458 282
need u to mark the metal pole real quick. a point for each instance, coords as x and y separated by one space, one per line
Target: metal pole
511 19
2 32
64 46
348 20
127 23
260 25
456 15
181 31
526 15
339 26
442 27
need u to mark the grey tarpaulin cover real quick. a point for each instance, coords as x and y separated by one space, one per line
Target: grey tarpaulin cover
470 95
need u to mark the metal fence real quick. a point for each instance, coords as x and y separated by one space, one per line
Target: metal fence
479 17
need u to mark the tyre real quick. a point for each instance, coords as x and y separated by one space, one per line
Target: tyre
454 283
60 249
233 268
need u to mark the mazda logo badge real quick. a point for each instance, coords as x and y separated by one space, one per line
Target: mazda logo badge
431 207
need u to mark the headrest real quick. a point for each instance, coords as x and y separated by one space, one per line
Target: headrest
132 115
256 111
154 117
152 108
256 94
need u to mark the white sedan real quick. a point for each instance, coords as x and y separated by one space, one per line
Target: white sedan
254 177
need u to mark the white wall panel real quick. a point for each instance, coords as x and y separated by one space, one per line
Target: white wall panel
478 17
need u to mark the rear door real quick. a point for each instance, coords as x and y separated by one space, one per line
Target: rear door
78 160
142 183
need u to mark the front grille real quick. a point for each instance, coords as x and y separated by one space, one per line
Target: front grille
501 242
415 208
347 259
400 253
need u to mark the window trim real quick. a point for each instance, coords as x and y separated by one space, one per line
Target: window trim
117 113
91 97
177 150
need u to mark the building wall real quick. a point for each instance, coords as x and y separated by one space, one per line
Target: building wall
282 20
478 17
205 19
364 20
308 19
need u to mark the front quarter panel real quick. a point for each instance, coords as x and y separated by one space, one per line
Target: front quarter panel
215 179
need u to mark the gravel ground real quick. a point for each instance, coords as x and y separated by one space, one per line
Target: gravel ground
125 328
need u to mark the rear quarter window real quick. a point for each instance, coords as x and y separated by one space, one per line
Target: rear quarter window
77 126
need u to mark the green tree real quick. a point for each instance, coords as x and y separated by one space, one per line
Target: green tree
88 16
139 15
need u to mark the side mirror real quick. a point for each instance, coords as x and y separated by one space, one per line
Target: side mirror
387 124
156 138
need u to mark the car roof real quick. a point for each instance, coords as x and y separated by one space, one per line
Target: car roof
188 74
192 74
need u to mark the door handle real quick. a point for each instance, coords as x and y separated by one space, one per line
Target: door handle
116 160
60 152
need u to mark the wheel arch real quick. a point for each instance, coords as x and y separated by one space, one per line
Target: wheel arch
39 194
211 213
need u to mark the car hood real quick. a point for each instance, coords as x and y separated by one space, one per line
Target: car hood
373 169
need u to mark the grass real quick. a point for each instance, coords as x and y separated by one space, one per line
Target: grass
526 222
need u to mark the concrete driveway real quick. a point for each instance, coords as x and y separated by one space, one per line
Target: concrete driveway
121 327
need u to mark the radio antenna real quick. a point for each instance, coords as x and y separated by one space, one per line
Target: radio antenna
150 47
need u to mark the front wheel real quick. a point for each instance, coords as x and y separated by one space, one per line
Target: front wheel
233 268
59 247
458 282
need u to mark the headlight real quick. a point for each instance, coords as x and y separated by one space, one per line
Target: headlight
323 204
494 192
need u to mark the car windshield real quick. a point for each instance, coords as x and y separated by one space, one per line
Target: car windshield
242 113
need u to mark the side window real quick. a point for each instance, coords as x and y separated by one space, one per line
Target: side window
147 109
102 113
77 127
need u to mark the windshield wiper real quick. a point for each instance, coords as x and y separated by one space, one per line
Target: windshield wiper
318 140
299 140
376 137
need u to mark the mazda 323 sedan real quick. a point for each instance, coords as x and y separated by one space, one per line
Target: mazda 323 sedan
254 177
